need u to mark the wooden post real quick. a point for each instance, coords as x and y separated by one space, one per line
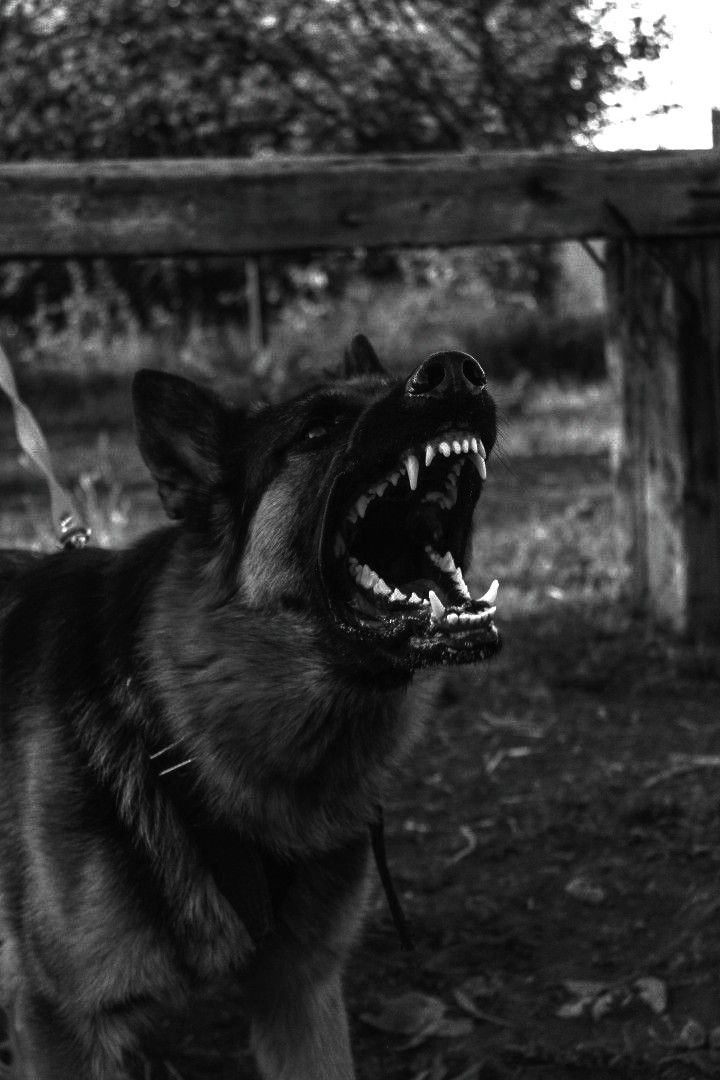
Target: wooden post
664 349
254 304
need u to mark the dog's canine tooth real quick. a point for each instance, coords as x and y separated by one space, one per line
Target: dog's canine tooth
436 605
430 453
396 596
413 468
444 448
479 464
491 595
481 449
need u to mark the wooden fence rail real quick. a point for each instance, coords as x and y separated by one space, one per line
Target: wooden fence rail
660 211
278 204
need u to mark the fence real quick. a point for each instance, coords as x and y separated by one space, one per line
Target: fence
660 212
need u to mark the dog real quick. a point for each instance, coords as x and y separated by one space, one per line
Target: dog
196 731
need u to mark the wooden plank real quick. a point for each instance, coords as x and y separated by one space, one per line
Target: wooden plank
664 350
236 207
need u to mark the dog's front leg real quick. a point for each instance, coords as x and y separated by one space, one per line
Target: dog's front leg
303 1034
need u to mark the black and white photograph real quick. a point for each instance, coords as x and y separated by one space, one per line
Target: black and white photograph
359 540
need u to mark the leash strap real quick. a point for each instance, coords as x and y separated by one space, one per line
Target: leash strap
377 836
68 526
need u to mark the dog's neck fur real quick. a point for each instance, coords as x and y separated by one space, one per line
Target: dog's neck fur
322 734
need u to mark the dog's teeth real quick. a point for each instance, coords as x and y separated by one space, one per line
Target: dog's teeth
413 468
396 596
491 595
352 515
361 505
444 449
474 445
447 563
466 445
457 446
452 617
394 477
430 452
378 489
481 449
414 598
478 616
460 582
381 588
367 577
436 605
479 464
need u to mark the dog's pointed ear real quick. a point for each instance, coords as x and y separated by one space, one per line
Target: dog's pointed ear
361 358
178 428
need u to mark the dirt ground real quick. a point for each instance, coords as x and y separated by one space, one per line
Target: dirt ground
555 838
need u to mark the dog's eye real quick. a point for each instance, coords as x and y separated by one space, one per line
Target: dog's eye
318 429
315 431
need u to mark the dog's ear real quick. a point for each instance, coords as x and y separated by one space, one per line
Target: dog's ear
361 358
178 428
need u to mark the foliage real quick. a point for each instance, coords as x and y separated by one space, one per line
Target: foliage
88 79
146 78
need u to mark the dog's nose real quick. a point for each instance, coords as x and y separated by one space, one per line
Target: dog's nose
446 374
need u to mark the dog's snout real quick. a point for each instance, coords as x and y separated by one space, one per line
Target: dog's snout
446 374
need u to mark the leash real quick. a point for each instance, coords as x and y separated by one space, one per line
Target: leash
377 838
69 528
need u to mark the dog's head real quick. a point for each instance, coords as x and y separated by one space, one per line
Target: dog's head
353 501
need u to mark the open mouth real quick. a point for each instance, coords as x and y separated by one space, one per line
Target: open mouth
402 545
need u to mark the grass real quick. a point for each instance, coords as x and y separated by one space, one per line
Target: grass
97 336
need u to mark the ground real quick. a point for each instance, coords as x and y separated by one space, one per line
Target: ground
555 837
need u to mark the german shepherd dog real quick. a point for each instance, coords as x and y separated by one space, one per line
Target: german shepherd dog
196 731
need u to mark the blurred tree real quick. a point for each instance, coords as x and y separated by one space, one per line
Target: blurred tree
86 79
147 78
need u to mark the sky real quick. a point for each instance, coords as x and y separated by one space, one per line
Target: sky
686 75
